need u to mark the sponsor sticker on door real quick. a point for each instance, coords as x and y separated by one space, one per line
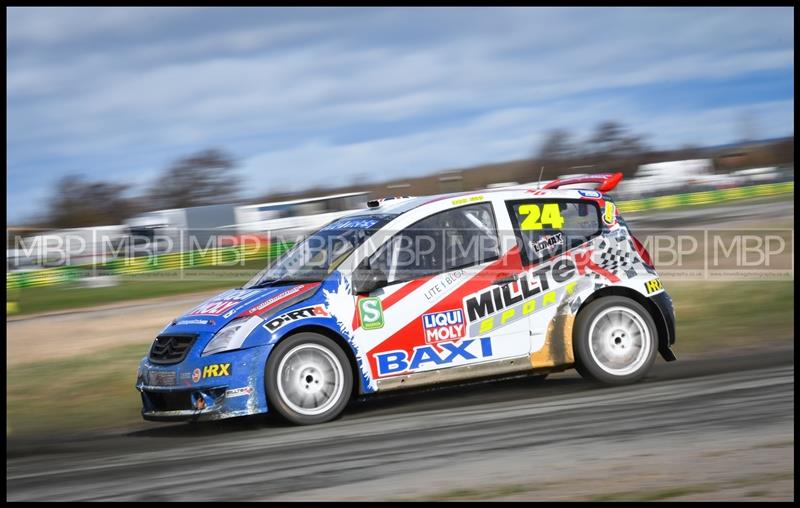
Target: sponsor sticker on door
443 326
370 311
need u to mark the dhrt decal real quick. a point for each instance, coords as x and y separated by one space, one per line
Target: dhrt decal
295 315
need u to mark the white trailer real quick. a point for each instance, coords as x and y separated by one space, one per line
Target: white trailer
287 219
179 229
660 178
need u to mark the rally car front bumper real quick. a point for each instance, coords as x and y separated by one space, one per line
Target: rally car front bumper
199 388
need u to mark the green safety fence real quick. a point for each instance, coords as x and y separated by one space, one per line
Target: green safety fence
175 261
707 197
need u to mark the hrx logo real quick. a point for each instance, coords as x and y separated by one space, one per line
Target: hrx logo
651 286
214 370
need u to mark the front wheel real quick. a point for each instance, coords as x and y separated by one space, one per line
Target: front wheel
308 379
614 340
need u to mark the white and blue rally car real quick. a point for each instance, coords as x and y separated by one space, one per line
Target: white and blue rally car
420 291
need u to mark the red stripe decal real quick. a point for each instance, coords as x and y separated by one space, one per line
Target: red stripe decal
404 291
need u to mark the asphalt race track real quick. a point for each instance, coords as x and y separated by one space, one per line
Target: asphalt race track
534 439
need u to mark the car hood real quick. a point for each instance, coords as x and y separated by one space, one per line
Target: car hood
218 311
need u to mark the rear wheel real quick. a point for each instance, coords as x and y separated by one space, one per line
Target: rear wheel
614 340
308 379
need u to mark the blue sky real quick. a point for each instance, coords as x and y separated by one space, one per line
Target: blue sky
319 96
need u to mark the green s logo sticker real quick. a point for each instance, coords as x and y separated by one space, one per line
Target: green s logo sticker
370 312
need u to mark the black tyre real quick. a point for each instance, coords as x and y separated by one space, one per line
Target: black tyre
614 340
308 379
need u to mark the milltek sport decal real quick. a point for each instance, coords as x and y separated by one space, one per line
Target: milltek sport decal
500 305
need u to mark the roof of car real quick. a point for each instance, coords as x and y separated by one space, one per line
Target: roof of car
397 206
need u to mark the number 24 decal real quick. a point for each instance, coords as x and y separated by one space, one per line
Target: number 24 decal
536 216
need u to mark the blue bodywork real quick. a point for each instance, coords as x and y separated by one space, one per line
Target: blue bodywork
231 383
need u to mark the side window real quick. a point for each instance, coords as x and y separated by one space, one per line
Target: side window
445 241
547 228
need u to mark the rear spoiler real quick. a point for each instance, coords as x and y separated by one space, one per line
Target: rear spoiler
607 181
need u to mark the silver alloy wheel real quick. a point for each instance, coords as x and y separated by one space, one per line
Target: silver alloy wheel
619 341
310 379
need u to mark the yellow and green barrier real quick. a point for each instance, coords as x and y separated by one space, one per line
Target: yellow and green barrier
707 197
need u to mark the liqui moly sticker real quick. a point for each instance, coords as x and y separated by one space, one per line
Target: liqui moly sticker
443 326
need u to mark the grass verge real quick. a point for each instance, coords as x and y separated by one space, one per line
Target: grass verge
717 315
80 393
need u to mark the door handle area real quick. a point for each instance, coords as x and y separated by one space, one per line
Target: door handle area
505 280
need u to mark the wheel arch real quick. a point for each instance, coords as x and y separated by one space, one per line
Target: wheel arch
662 326
340 341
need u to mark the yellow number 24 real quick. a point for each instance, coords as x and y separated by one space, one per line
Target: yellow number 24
549 213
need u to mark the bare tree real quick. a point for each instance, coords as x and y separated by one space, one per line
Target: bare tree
747 127
611 139
557 146
77 202
204 178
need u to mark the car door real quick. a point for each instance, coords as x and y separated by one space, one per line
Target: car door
548 230
438 274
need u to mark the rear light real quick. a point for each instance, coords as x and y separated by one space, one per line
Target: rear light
642 252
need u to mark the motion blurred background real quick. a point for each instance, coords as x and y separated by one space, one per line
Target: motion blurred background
158 155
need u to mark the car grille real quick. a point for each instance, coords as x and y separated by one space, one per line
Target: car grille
169 401
169 349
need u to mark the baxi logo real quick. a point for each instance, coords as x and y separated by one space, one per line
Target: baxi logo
443 326
444 354
370 311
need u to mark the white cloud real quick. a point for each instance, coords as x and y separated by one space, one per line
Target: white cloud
477 142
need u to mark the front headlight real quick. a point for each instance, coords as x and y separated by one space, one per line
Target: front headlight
232 335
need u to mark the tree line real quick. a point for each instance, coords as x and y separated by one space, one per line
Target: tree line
210 176
204 178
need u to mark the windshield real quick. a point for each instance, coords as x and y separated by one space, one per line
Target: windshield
312 259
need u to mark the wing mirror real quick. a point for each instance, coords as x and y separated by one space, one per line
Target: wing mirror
367 279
